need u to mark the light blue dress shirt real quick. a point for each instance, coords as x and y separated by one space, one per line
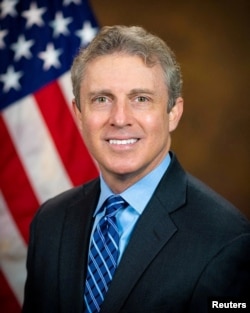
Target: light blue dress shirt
137 196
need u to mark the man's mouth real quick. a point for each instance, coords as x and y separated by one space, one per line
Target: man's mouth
123 141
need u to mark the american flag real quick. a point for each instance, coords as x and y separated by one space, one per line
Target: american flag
42 151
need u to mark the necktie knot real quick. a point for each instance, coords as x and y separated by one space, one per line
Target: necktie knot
113 204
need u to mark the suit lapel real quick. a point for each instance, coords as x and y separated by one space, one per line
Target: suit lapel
74 249
153 231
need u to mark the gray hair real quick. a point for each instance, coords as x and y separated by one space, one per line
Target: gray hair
133 40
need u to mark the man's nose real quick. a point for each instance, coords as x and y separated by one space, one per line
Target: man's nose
121 114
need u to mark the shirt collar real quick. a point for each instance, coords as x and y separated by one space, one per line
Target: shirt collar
139 194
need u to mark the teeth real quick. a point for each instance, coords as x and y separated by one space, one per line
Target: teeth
122 142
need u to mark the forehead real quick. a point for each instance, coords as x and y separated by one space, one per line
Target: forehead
125 69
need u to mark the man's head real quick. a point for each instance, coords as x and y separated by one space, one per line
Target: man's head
132 40
121 96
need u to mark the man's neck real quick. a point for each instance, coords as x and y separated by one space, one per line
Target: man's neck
118 183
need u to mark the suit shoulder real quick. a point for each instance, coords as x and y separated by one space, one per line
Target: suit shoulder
200 190
58 204
214 208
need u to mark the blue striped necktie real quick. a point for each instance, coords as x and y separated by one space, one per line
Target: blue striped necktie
103 255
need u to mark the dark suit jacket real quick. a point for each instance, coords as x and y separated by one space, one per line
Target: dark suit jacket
188 245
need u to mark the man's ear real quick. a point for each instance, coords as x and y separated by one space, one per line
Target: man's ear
77 114
175 114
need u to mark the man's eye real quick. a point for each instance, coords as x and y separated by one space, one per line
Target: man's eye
101 99
141 99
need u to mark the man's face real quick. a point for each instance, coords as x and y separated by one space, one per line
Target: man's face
123 118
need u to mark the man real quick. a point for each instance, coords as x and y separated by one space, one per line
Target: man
172 245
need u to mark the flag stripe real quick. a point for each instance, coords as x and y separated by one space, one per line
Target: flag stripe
8 302
53 106
36 149
14 184
64 82
13 251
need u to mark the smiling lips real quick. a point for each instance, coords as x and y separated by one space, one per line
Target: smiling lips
123 141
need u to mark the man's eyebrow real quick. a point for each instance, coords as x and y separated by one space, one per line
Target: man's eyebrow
105 92
108 92
141 90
